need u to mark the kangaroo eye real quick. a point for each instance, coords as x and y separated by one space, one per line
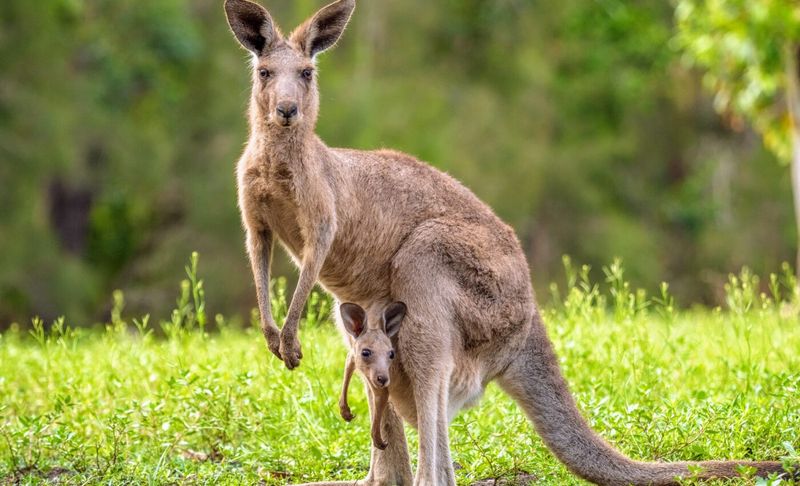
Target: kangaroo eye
264 73
391 354
366 353
307 73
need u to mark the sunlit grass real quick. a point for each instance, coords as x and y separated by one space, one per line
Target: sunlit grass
196 402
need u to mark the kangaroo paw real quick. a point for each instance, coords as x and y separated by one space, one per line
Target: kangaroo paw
273 336
290 351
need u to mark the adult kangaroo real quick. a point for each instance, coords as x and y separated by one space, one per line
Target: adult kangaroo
375 227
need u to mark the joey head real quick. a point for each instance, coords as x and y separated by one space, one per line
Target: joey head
373 354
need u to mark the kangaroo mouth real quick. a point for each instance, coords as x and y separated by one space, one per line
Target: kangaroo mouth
283 122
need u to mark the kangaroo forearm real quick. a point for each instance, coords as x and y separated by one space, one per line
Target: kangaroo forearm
259 250
314 255
261 260
308 277
309 273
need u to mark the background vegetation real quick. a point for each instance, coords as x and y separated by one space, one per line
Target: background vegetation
579 122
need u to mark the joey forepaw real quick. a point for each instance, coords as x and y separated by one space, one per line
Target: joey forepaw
347 415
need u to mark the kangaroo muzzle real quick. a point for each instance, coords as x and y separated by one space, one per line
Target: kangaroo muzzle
286 112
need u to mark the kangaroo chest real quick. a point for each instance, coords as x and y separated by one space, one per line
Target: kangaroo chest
354 269
269 199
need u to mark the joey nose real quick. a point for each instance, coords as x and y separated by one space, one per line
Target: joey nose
286 109
382 380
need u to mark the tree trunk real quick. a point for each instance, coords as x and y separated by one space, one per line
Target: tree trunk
793 98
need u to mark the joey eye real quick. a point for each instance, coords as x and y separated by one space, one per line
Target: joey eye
366 353
264 73
307 73
391 354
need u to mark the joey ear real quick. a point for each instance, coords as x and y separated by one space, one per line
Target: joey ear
251 24
392 318
354 318
322 30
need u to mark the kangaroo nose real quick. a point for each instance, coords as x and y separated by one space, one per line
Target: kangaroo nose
287 109
382 380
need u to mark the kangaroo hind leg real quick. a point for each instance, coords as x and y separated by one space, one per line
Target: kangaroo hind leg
425 346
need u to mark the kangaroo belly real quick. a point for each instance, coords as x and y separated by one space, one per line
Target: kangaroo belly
467 385
358 270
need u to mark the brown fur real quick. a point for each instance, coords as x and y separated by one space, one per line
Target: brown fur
377 226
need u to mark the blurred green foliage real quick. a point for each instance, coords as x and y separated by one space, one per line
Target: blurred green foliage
121 121
744 46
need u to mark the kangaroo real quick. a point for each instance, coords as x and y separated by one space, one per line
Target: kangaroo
381 226
372 352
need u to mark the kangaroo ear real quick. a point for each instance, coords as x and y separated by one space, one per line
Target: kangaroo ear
251 24
392 318
321 31
354 318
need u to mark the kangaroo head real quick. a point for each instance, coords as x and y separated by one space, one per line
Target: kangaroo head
372 345
285 92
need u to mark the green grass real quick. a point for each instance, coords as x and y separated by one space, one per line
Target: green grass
191 402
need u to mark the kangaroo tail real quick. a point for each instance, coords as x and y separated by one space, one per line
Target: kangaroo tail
535 381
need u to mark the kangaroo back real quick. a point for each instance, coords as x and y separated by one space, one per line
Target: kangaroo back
535 382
